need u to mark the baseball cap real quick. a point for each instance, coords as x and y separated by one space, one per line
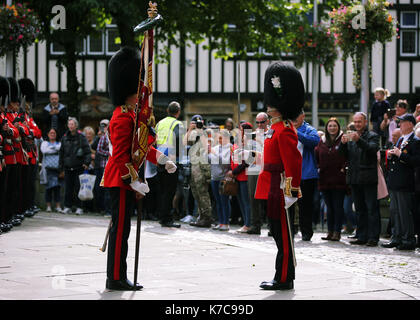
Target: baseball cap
407 117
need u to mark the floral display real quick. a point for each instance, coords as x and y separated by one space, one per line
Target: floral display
355 31
19 28
316 44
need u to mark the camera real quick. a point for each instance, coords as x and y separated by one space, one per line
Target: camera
200 124
390 113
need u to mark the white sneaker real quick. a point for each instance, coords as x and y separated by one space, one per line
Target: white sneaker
49 209
79 211
224 227
66 210
59 210
187 219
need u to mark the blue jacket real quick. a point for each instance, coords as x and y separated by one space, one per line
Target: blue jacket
308 136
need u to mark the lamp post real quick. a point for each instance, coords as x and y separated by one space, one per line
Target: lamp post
364 90
9 55
315 76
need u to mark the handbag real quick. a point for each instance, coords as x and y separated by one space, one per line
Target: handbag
229 187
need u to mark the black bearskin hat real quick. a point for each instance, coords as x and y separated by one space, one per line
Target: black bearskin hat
284 89
27 89
14 90
123 74
4 90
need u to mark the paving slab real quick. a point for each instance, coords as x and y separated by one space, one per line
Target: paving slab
56 257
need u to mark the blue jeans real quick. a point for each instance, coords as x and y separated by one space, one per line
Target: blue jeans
244 203
334 199
350 215
222 203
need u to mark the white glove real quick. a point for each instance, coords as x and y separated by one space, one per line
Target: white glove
288 201
170 166
140 187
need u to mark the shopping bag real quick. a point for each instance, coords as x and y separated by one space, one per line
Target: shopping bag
87 183
43 176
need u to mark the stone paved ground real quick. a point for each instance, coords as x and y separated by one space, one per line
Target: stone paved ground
54 256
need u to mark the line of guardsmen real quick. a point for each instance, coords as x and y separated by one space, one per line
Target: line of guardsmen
18 152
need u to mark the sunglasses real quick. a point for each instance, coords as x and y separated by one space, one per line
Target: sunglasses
260 122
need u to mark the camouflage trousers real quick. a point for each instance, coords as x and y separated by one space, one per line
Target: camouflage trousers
199 183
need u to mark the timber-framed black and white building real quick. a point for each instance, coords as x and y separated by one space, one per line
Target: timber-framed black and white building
208 86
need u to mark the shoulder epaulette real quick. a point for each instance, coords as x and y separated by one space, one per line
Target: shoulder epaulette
124 109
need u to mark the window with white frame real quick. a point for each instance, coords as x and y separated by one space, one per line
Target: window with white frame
409 33
57 49
111 37
95 44
101 43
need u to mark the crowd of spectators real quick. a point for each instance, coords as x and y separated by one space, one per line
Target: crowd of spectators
346 171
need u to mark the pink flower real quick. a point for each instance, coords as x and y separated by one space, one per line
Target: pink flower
20 37
10 38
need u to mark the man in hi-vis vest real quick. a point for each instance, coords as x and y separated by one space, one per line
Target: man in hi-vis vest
169 136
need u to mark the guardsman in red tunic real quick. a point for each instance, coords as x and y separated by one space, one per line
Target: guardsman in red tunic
121 175
280 179
7 188
21 156
27 90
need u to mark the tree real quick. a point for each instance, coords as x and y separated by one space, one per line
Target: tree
80 18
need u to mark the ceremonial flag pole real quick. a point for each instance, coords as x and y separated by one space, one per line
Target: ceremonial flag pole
143 109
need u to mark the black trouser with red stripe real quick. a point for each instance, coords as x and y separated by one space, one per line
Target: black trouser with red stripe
277 220
122 207
12 190
3 200
285 269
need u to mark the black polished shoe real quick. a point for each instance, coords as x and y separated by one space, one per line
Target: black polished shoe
254 230
35 209
170 225
306 238
390 245
406 247
274 285
6 227
372 243
269 234
352 237
20 216
15 222
358 242
123 285
29 213
201 224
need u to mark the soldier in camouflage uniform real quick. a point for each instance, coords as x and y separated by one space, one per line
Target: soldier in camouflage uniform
200 170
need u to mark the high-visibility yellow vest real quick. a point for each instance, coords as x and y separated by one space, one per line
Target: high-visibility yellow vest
165 132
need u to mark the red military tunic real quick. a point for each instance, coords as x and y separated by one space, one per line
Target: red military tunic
281 177
281 155
20 154
119 170
8 151
36 133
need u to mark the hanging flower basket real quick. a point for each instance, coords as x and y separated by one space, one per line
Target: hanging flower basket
314 43
19 28
353 39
